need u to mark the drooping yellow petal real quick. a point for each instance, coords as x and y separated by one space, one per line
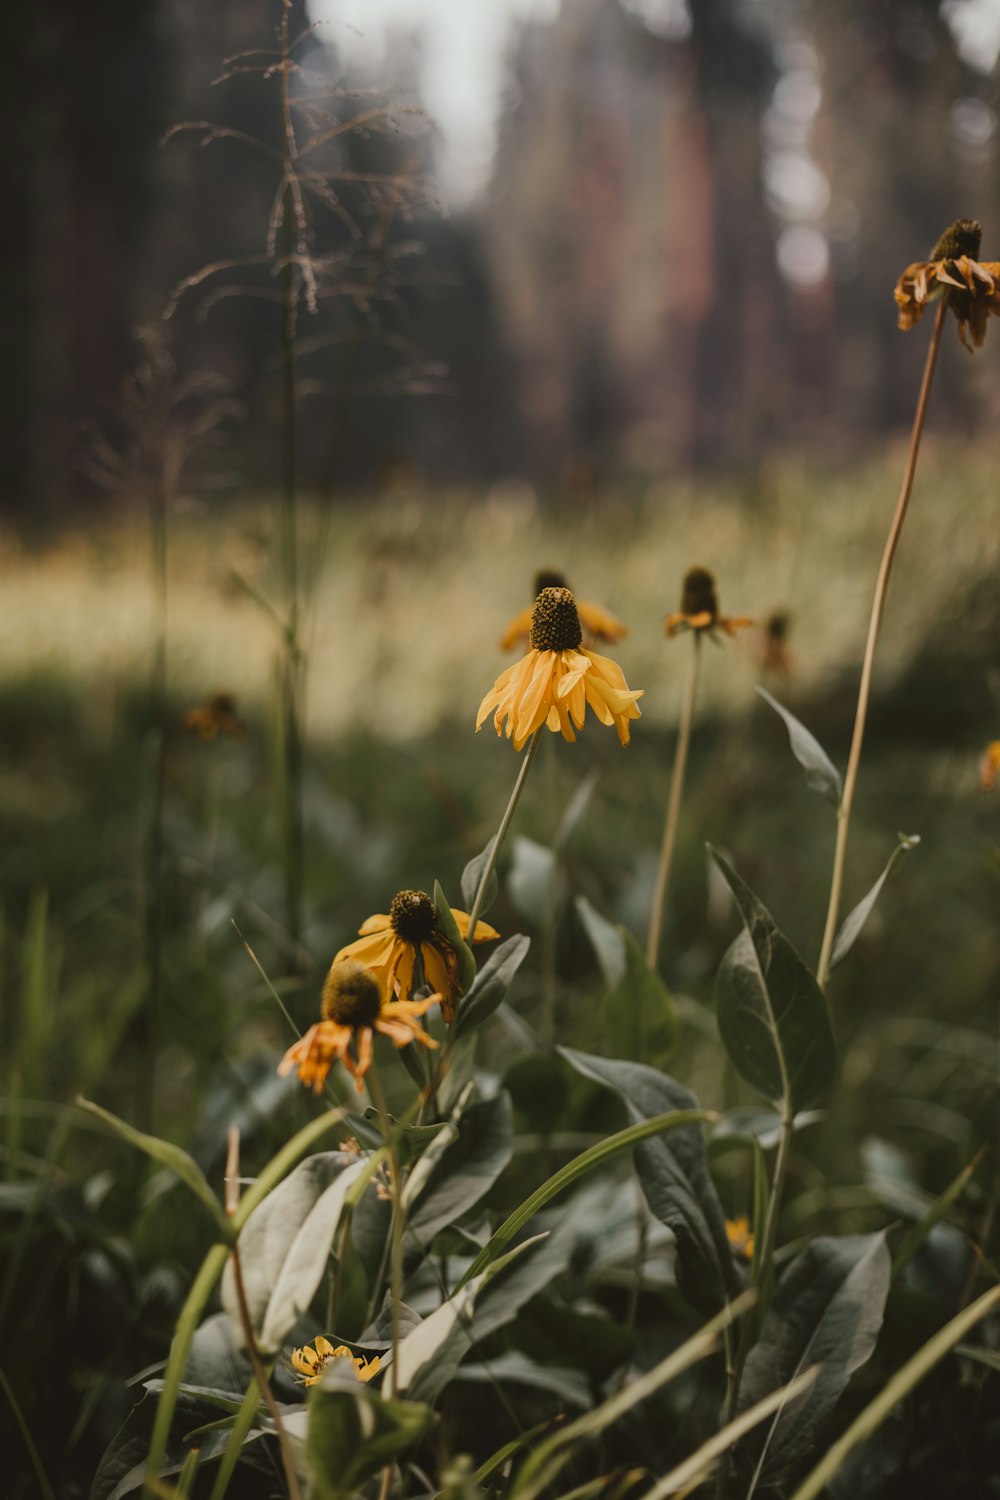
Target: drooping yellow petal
517 629
377 923
484 932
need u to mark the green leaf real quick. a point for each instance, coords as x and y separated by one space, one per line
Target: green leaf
468 1167
639 1014
674 1175
772 1015
448 927
492 984
353 1432
473 874
827 1310
576 807
821 774
936 1212
607 941
179 1162
535 881
904 1381
856 919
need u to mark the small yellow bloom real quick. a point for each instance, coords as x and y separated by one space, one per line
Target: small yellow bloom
973 286
390 941
700 607
354 1008
557 679
989 767
310 1360
217 715
740 1237
598 623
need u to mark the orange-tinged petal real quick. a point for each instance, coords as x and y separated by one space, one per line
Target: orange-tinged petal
378 923
484 932
324 1347
600 622
517 629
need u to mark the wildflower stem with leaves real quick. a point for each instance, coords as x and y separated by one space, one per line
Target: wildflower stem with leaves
674 802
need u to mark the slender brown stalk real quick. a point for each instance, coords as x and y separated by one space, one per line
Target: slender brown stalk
874 625
673 803
256 1363
397 1232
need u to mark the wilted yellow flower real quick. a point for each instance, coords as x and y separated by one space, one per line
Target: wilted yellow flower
973 286
310 1360
989 767
217 715
390 941
700 607
557 679
354 1007
597 622
740 1237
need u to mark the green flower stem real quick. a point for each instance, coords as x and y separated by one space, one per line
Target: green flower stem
867 667
505 823
263 1384
242 1425
674 803
398 1226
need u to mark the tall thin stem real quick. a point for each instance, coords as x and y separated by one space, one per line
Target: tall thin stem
674 803
498 842
152 912
397 1233
874 625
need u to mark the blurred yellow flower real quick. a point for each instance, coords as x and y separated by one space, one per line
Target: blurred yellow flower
390 941
954 267
700 607
598 623
310 1360
557 679
773 652
989 767
740 1237
354 1007
217 715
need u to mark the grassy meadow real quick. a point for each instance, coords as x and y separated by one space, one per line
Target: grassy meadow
406 596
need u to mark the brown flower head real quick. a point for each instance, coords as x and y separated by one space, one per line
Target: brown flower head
217 715
557 679
390 942
773 652
700 607
972 285
597 623
354 1007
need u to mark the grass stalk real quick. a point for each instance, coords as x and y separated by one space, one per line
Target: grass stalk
673 803
868 664
505 822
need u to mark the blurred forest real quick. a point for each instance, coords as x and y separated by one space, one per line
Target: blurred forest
684 205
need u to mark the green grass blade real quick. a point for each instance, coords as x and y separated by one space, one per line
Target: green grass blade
573 1171
937 1210
899 1386
244 1421
499 1458
283 1162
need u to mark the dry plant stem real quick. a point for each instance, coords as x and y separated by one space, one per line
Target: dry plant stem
152 913
874 625
396 1252
674 803
256 1363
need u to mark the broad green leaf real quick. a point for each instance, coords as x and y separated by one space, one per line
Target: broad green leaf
607 941
492 984
535 881
856 919
904 1381
749 1123
576 807
515 1368
518 1280
309 1255
353 1431
772 1015
821 774
179 1162
270 1232
934 1214
468 1166
639 1015
827 1311
449 929
674 1175
473 874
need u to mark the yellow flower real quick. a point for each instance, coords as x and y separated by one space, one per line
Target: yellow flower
217 715
989 767
354 1007
310 1360
740 1237
390 941
700 607
954 267
553 684
598 623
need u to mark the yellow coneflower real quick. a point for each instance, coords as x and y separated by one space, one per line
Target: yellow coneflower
557 679
217 715
954 267
598 623
390 941
989 767
700 607
354 1007
309 1361
740 1237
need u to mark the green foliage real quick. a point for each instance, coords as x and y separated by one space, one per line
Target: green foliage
353 1432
